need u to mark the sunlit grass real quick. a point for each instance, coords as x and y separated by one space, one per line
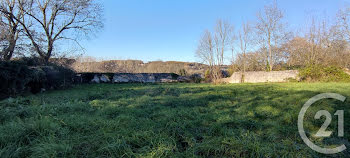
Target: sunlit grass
168 120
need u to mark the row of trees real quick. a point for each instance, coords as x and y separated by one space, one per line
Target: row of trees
212 47
40 25
267 44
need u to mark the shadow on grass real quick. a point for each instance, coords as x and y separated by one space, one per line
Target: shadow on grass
170 120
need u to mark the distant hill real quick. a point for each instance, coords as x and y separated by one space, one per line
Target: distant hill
138 66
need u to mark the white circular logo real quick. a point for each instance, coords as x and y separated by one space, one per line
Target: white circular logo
322 132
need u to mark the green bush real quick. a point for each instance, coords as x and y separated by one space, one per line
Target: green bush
58 76
196 78
207 76
14 76
319 73
182 72
32 61
27 75
231 70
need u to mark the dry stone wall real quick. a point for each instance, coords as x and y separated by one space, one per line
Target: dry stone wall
130 78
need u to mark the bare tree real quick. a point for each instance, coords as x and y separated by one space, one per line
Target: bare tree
307 49
212 47
323 43
55 20
344 22
205 50
335 43
297 51
314 37
10 27
271 29
245 42
255 61
222 39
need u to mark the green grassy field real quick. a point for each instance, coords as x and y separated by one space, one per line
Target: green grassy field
169 120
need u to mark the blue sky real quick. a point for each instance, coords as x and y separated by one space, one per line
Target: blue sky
169 30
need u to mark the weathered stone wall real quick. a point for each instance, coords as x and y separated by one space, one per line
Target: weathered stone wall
130 78
262 76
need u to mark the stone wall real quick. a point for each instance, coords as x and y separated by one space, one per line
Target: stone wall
262 76
130 78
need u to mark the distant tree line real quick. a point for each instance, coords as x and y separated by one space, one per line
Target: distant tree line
91 64
38 27
268 44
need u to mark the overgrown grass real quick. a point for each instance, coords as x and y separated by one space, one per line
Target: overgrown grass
169 120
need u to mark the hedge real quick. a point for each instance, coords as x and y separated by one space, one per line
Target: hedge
26 75
319 73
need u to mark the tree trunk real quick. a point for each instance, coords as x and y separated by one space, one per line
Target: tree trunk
49 52
270 62
8 52
244 67
270 53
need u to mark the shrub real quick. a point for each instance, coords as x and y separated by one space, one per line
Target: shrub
174 76
196 78
32 61
58 76
14 76
26 75
321 73
182 72
231 70
208 76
